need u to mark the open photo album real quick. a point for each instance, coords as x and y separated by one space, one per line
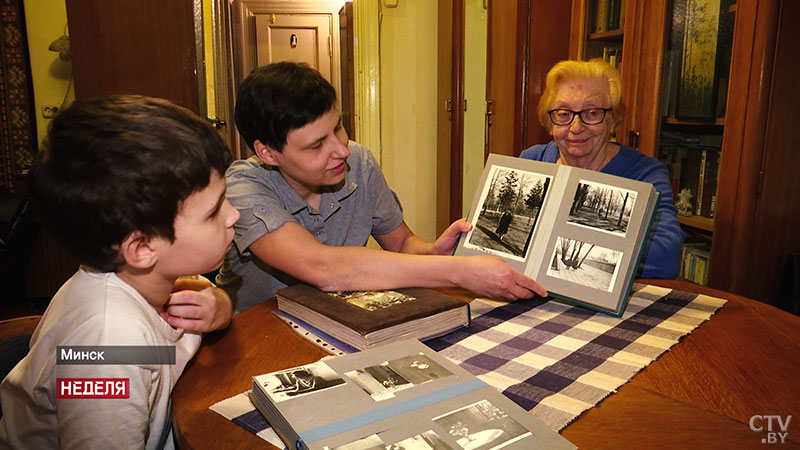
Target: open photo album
399 396
580 233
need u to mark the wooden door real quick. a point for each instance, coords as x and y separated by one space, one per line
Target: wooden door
136 47
547 43
525 40
252 24
520 50
295 37
508 23
778 213
142 47
758 195
444 116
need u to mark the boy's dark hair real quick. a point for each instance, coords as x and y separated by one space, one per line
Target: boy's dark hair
115 165
278 98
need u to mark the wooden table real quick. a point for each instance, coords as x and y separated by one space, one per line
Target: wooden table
702 393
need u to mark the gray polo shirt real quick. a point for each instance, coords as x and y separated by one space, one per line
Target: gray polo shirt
363 205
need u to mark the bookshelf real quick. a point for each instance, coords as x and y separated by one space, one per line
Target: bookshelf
604 31
695 73
753 230
664 125
698 222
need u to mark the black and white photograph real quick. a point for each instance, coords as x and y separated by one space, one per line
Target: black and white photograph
507 212
602 207
482 426
584 263
380 382
428 440
303 380
372 442
372 300
418 369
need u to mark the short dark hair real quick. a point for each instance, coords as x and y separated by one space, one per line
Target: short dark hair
278 98
114 165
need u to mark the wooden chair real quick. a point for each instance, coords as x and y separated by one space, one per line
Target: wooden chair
18 326
17 232
15 338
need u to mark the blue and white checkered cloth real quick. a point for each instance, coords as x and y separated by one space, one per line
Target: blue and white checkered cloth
553 359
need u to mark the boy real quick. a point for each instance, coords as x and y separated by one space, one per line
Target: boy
134 187
309 199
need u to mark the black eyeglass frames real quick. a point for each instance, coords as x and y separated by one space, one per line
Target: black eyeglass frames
591 116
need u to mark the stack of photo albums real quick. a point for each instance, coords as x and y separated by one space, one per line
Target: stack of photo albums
396 396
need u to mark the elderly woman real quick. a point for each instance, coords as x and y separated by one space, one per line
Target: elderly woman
580 107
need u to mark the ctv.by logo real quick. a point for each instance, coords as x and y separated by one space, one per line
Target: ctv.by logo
773 437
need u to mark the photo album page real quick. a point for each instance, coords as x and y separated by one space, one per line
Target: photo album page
580 233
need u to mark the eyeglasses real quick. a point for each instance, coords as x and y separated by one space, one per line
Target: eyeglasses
591 116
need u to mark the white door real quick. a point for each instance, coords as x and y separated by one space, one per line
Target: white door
296 37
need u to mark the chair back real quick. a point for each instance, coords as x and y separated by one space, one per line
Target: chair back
18 326
15 338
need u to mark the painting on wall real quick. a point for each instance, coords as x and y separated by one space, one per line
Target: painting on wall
697 87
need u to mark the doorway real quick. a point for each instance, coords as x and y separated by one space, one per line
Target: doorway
270 31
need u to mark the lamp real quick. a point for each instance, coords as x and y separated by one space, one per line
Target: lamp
61 45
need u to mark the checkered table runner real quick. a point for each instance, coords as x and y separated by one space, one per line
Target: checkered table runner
557 360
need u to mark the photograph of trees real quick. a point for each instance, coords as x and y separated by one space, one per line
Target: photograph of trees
508 212
602 207
698 21
584 263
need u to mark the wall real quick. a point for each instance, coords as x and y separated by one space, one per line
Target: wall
408 54
475 17
408 91
208 52
46 21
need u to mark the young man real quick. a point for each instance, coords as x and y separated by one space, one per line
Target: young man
309 200
134 187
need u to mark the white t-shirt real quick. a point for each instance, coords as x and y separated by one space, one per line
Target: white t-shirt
94 308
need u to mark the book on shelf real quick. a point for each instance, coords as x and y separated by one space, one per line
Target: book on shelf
612 55
580 233
399 395
612 14
709 179
701 178
600 16
712 206
694 263
673 158
690 174
363 319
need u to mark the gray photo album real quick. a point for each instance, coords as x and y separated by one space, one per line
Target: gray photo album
396 396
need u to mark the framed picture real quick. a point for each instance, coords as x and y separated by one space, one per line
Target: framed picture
699 22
